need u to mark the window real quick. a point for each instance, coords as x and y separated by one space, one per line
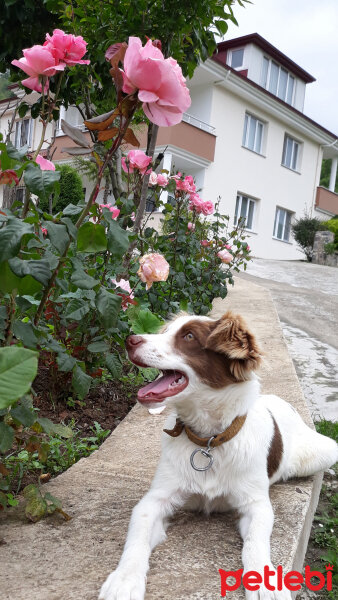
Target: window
23 133
290 153
245 209
20 194
237 58
253 133
277 80
282 225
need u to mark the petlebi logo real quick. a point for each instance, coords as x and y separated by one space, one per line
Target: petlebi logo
292 581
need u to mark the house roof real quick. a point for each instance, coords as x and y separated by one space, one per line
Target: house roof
258 40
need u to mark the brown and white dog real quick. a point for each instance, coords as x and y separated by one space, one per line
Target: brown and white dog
209 384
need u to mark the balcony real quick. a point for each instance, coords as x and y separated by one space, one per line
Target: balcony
326 200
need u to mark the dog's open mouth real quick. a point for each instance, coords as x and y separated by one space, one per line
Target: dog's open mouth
169 384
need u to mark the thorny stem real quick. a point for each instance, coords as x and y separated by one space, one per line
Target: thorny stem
11 313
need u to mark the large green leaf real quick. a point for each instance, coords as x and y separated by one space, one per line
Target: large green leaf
99 347
8 281
72 209
114 365
51 428
108 305
82 280
65 362
91 238
58 235
145 322
6 437
39 269
18 368
10 237
25 333
118 240
24 415
41 183
76 310
81 382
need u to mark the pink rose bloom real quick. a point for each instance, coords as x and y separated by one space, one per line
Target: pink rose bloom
67 47
207 208
44 230
114 211
136 159
153 178
162 180
195 203
44 164
248 248
38 62
227 246
191 226
133 216
190 180
159 82
153 267
126 298
225 256
205 243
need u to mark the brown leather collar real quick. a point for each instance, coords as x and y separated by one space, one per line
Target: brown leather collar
219 439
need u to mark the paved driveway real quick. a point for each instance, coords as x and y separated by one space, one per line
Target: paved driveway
306 298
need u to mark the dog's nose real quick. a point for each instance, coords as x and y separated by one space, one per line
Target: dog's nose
133 340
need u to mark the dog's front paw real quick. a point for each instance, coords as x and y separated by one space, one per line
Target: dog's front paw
123 584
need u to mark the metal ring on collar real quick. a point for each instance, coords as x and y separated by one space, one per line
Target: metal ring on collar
205 453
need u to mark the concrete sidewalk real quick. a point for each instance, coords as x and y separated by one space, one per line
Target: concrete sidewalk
55 560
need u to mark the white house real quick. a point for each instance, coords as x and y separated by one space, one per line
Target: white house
245 139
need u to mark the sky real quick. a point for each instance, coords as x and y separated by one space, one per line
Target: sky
307 32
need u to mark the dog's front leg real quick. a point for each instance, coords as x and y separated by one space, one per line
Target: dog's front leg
255 527
146 530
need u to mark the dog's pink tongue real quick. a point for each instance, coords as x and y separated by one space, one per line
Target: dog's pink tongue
159 385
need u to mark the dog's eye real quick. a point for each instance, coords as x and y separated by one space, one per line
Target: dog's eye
189 336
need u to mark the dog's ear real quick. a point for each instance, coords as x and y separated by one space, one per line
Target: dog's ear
231 337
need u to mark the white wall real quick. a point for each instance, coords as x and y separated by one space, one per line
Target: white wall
201 102
237 169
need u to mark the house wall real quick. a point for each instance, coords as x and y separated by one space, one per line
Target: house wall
237 169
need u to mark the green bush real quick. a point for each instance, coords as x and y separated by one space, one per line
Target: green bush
71 190
304 231
332 225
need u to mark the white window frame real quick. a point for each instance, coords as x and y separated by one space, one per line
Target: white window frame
18 128
275 226
240 67
290 76
238 210
247 124
295 144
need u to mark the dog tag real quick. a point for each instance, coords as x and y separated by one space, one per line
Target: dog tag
204 453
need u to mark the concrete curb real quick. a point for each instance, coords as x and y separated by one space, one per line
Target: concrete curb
56 560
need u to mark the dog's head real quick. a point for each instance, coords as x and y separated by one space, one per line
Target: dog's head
191 351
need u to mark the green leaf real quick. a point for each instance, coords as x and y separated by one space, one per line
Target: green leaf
76 310
58 235
24 415
17 153
18 368
118 240
6 437
98 347
10 237
81 382
114 365
8 281
41 183
54 428
108 305
65 362
72 209
91 238
36 509
70 227
146 322
38 269
25 333
82 280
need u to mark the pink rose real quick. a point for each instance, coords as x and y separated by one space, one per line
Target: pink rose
66 47
207 208
136 159
191 226
44 230
159 82
162 180
205 243
225 256
153 267
114 211
126 298
133 216
44 164
247 248
227 246
38 62
153 178
195 203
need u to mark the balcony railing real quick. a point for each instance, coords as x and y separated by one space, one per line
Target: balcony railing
327 200
198 123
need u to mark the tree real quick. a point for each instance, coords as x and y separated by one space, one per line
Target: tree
304 231
71 190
